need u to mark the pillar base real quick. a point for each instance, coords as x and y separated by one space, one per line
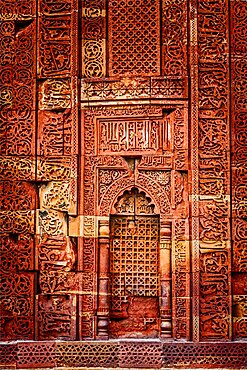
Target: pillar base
102 328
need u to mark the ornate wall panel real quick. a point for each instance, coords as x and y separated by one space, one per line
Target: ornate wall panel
155 45
239 169
157 135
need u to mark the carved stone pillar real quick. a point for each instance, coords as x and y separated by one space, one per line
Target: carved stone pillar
103 296
165 280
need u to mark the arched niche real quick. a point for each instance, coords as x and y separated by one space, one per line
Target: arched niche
133 232
153 188
134 202
134 267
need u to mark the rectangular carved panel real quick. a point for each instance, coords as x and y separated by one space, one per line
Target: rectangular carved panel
134 269
136 88
18 88
56 317
56 134
16 305
134 257
133 136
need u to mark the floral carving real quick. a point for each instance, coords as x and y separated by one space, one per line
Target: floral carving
94 35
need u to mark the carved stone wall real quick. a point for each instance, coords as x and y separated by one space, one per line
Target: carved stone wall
110 111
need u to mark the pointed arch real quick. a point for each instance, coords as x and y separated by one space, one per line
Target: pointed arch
153 190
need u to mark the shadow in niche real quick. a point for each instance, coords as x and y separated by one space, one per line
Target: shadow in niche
139 318
20 25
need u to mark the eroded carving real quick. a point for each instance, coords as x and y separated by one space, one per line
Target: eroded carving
56 253
57 317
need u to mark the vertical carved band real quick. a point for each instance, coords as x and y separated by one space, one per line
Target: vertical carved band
213 144
174 38
17 149
61 286
180 280
94 38
239 167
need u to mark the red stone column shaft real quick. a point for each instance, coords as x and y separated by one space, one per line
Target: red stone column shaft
165 280
103 295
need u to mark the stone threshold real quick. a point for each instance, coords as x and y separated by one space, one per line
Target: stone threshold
123 354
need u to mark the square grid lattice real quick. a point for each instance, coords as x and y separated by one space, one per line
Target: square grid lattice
134 257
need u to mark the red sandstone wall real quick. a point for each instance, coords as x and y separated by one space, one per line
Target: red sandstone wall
60 73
